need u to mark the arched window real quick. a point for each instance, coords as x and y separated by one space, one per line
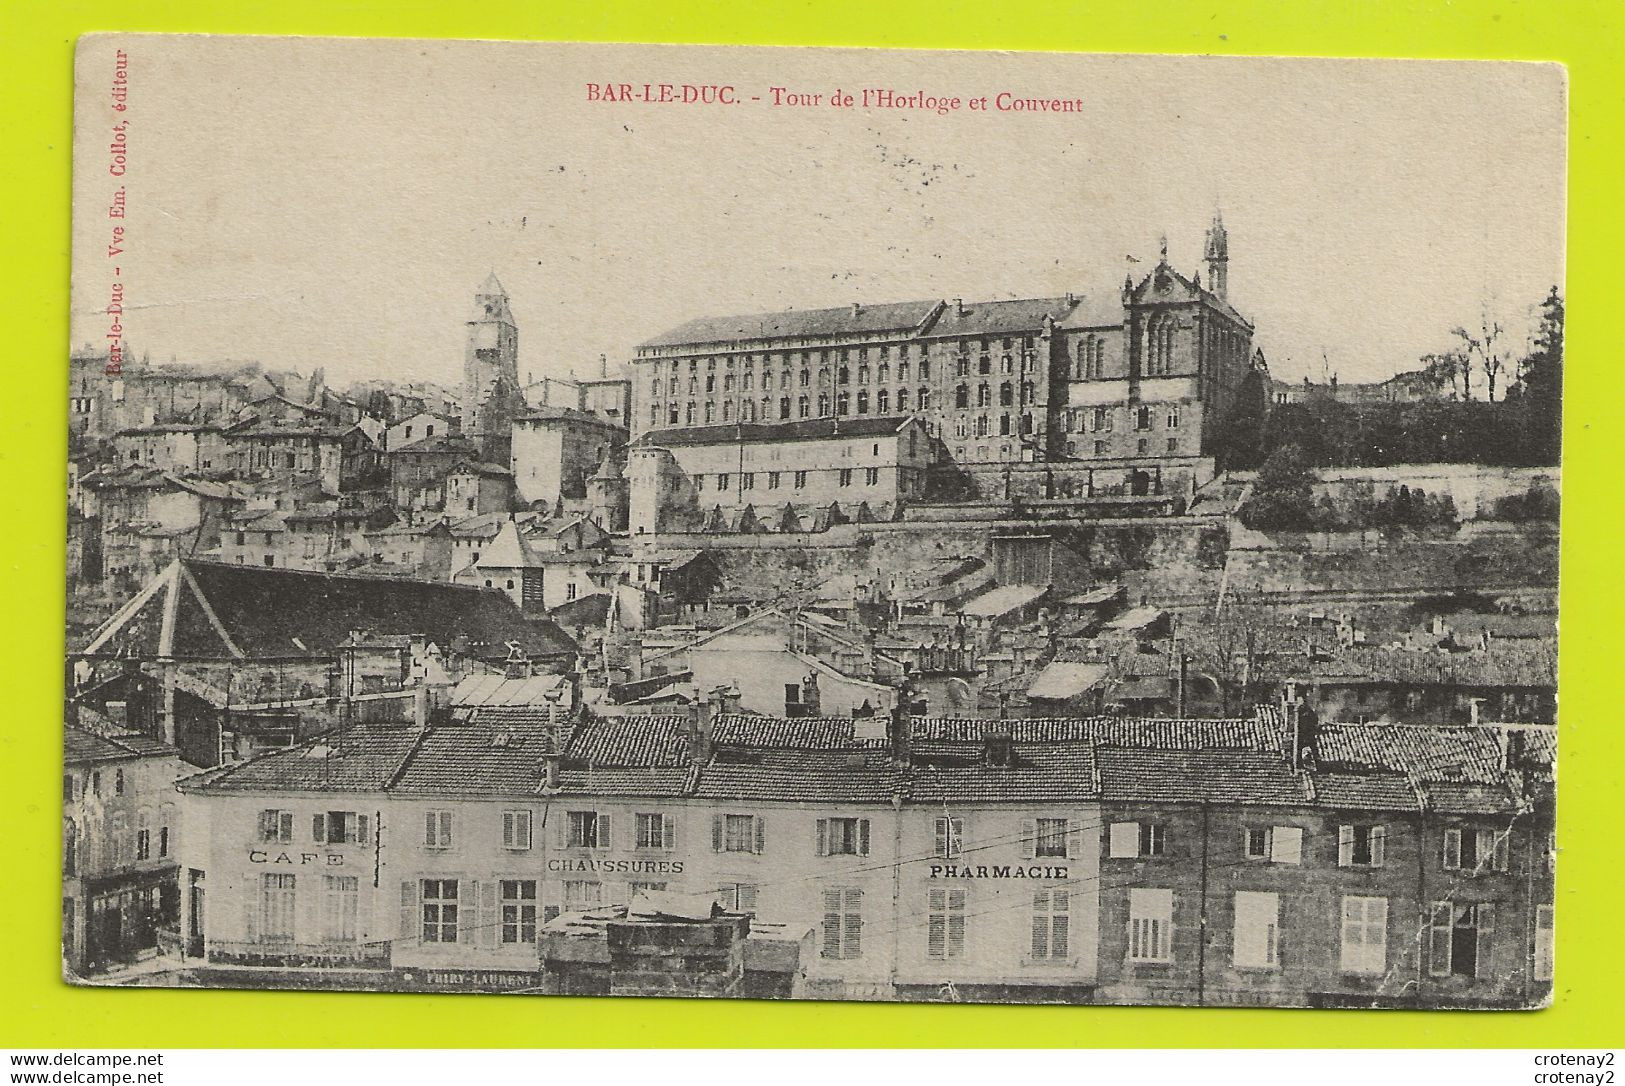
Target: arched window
981 425
882 401
962 396
984 396
902 399
727 410
922 400
844 375
767 381
689 412
803 407
727 382
823 404
784 407
883 374
863 402
1159 344
843 403
806 378
767 409
1006 395
710 412
747 411
863 375
902 371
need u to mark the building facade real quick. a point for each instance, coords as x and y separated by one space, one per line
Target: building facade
1064 860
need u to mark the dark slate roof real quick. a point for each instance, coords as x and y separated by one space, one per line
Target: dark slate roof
797 324
1010 317
1197 776
363 759
81 746
265 610
759 432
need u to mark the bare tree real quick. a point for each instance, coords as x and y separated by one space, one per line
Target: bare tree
1488 347
1444 371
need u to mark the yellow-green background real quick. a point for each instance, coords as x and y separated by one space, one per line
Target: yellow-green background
36 43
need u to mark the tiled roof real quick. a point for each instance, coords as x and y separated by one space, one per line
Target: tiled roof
489 756
809 775
1198 776
1469 799
1042 771
1246 733
629 741
363 759
1367 791
798 324
1466 753
80 746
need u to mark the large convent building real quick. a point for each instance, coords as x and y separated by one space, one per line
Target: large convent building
1147 372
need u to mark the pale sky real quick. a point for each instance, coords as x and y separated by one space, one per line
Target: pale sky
315 203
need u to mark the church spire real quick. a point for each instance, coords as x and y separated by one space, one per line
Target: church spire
1217 254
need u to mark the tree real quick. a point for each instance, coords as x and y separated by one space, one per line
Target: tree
1539 388
1241 440
1283 498
1444 371
1488 347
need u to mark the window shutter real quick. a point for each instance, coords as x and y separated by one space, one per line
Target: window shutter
863 837
1286 845
267 825
1029 838
1125 842
1502 851
832 924
318 829
760 826
468 911
936 938
1452 850
507 829
285 825
1379 844
1059 930
251 908
853 925
1069 831
668 831
823 837
1040 944
1439 933
488 913
406 931
1345 846
431 829
956 923
716 833
1484 967
942 836
363 829
561 830
606 835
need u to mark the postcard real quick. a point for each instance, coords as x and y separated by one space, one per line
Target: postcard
800 523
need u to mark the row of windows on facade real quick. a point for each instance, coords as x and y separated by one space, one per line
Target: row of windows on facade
1103 419
1464 848
983 348
747 479
148 838
507 912
695 414
1103 447
1161 340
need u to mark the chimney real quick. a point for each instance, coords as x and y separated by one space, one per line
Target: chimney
1473 710
420 706
700 728
1071 299
959 307
552 764
603 365
999 748
899 727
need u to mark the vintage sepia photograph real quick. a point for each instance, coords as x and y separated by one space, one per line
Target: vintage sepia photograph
830 524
